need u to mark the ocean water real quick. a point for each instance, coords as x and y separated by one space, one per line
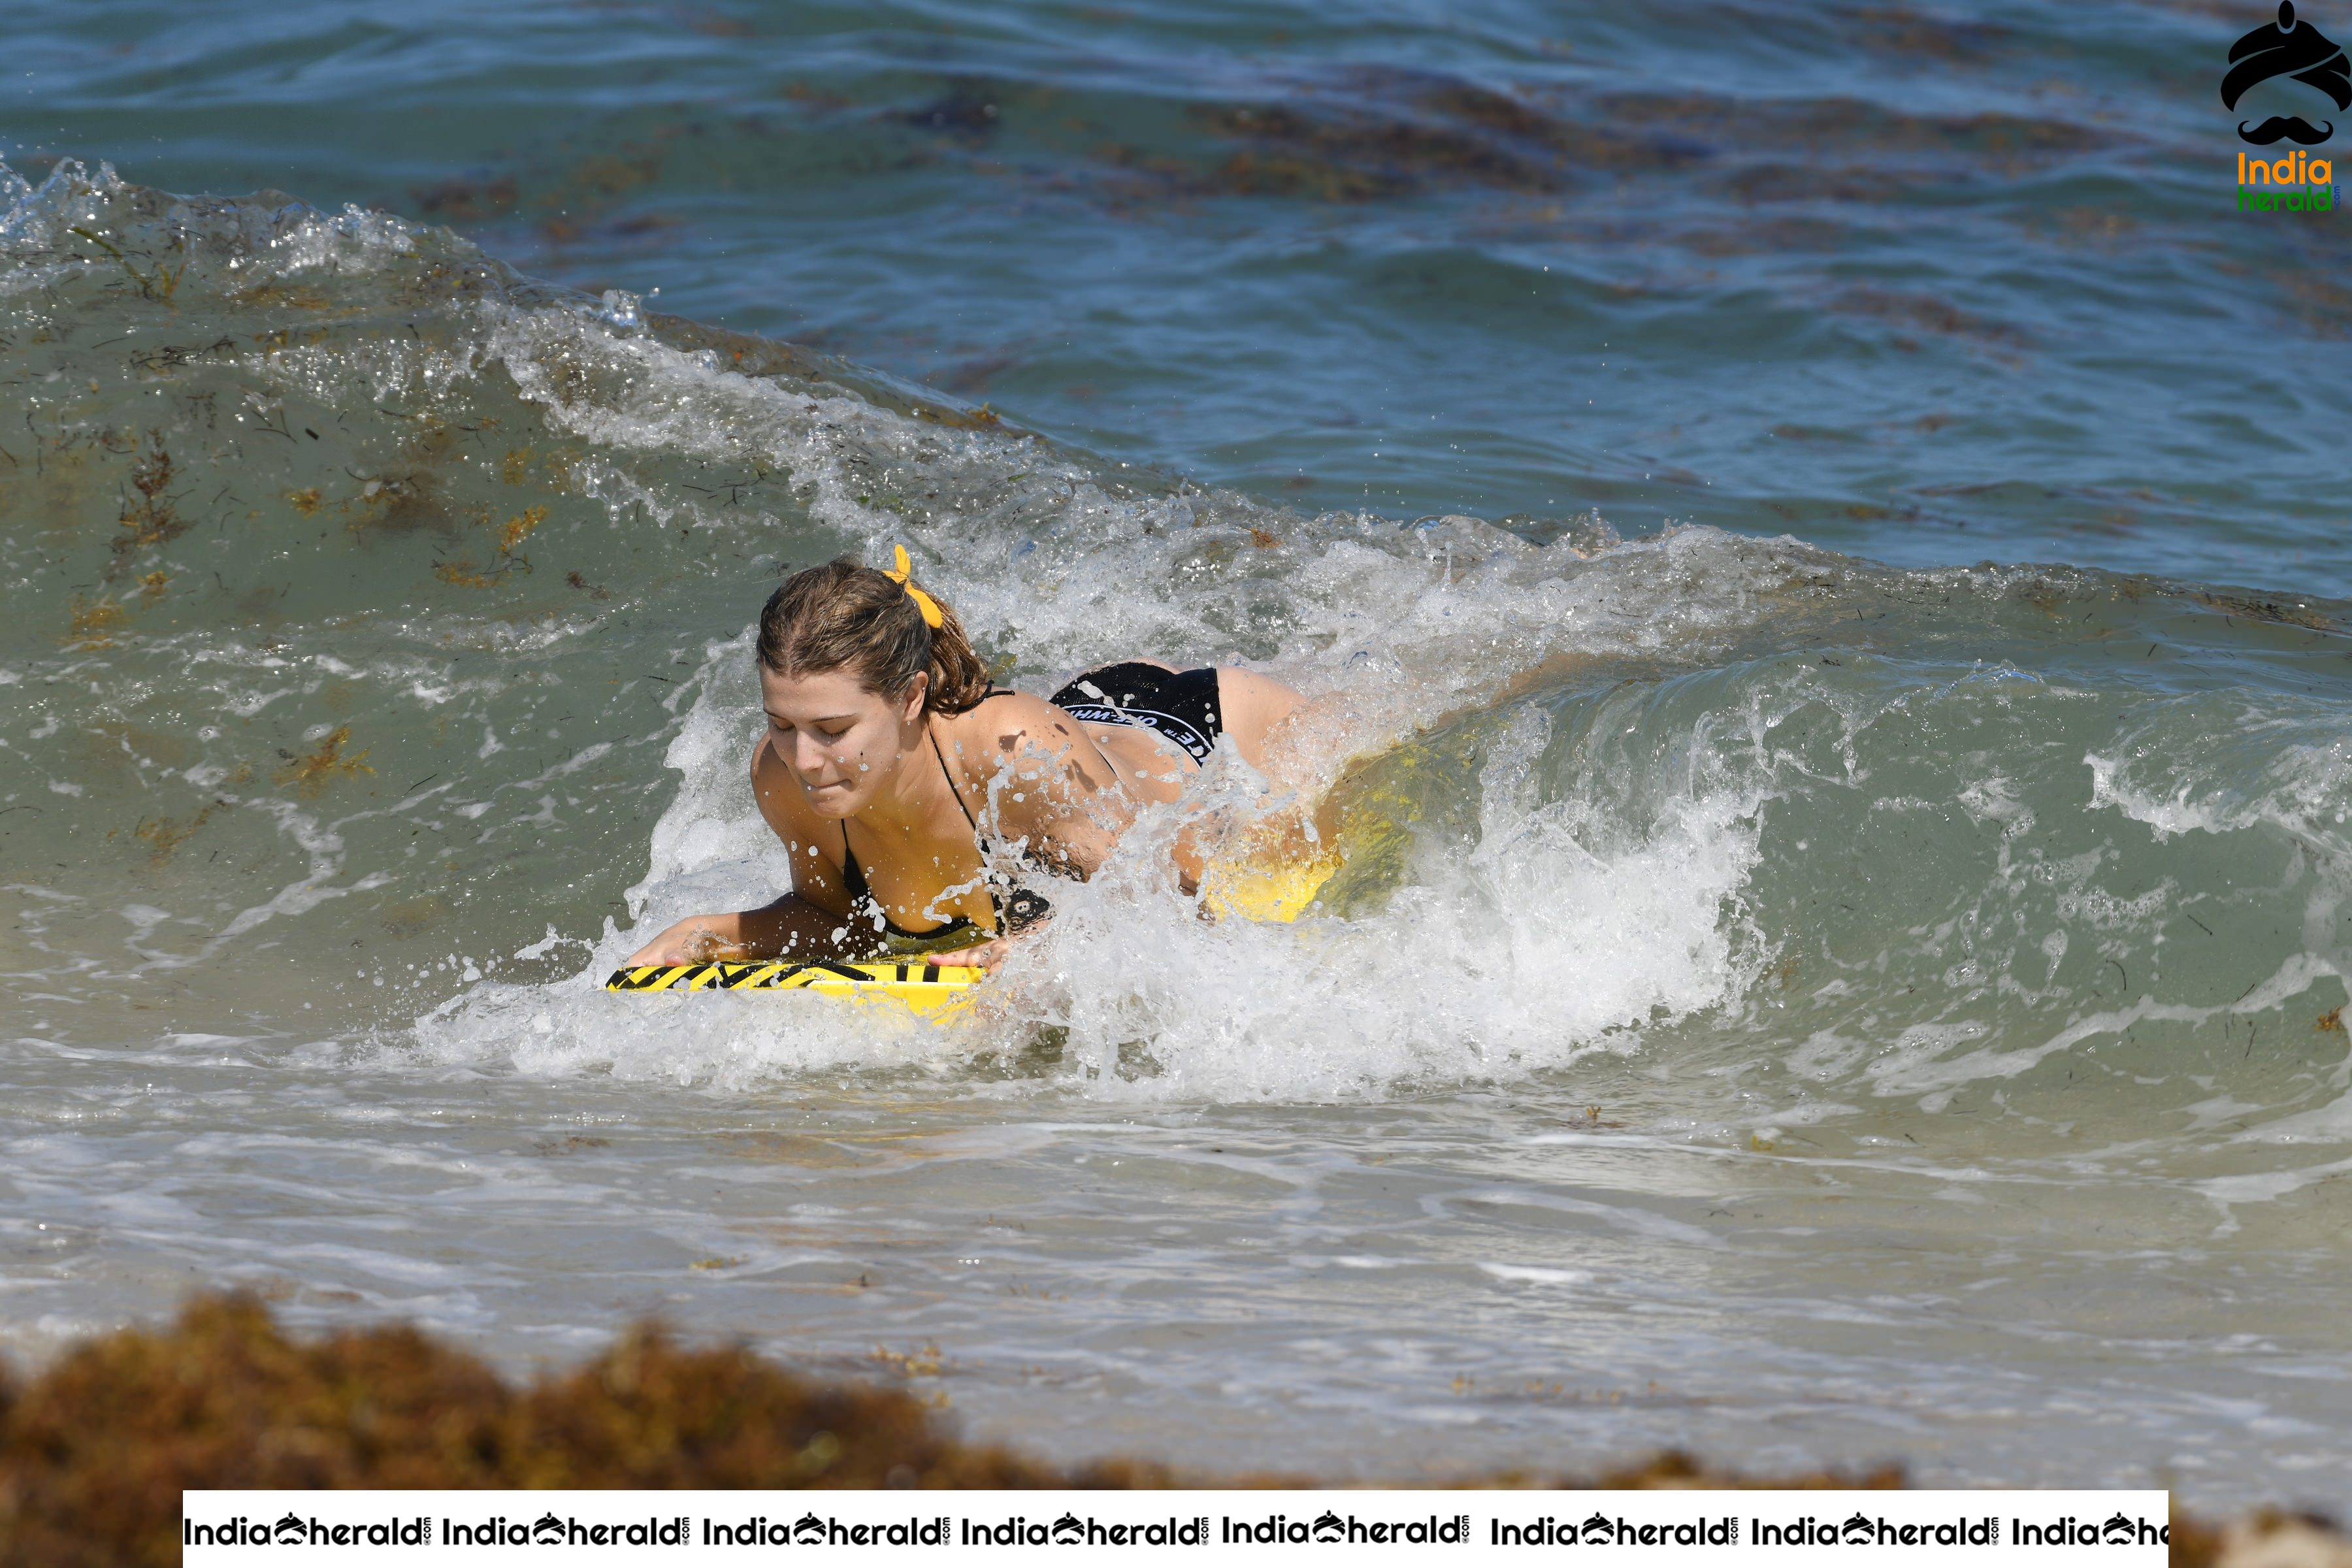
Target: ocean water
1816 535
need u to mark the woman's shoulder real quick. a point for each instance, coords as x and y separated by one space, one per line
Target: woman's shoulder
1012 730
1005 722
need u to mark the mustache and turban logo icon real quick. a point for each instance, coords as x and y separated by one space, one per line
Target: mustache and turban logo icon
2294 49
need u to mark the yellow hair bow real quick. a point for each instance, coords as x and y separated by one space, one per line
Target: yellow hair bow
923 602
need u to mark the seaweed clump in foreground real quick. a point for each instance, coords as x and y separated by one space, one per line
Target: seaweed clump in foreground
95 1452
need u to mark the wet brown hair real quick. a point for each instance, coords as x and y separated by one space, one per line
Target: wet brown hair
847 616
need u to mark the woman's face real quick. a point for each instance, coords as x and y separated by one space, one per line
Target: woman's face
843 743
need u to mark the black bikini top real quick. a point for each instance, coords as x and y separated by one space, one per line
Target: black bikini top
1017 908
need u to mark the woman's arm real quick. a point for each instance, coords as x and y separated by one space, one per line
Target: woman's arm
806 923
791 927
1036 784
1035 781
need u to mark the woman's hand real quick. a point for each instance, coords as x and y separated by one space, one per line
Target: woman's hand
693 940
987 955
994 952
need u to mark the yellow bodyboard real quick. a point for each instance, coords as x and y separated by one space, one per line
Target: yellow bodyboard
1267 894
930 989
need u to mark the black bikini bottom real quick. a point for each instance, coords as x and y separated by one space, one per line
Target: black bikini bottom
1178 704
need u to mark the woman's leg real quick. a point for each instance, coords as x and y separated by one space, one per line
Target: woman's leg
1250 704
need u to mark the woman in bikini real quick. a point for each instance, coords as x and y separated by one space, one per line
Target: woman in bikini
887 744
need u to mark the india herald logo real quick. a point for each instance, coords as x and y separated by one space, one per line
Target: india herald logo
2291 48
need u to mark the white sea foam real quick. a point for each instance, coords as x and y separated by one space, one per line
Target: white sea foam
1556 934
1061 572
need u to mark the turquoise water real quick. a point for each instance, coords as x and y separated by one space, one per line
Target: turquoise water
1820 530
